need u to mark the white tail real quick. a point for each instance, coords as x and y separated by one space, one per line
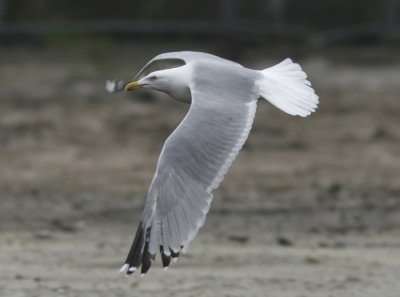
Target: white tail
286 86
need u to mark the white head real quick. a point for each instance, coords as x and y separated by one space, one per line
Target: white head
172 81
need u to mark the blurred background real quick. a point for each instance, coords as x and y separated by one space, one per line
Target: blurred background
310 207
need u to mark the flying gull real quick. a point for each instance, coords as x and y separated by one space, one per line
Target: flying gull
195 157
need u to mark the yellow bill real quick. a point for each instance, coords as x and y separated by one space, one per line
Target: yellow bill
133 86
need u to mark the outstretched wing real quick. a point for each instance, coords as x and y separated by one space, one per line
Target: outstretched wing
176 59
159 64
193 161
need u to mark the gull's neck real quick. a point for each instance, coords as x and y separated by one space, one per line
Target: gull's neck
179 83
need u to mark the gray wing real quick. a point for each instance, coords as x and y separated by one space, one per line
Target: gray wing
177 59
193 161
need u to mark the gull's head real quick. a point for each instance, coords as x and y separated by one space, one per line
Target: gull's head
172 81
161 80
157 80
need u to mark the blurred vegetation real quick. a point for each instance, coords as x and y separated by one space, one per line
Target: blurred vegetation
62 10
311 13
315 13
329 14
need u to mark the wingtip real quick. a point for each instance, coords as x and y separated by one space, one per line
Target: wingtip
124 268
132 269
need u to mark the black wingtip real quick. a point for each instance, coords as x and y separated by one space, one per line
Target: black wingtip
146 259
131 270
139 255
166 260
134 258
174 255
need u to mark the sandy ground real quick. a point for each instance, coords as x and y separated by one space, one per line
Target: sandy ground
311 207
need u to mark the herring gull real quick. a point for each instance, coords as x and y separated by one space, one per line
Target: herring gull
195 157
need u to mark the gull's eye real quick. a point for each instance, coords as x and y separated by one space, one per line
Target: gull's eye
153 77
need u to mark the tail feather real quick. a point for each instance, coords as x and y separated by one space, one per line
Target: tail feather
285 85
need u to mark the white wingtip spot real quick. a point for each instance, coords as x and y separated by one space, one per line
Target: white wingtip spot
132 269
124 268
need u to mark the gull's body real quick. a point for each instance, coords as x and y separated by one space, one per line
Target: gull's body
196 156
